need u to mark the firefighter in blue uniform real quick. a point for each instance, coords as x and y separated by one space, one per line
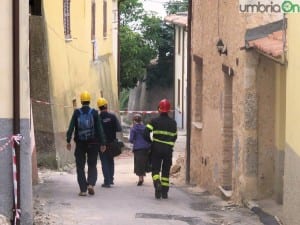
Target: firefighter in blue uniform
164 135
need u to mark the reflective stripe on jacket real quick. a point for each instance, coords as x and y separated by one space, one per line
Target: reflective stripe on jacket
163 129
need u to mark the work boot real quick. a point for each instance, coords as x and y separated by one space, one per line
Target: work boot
164 195
82 193
164 192
157 186
91 190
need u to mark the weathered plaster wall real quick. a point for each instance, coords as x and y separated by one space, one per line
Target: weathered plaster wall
266 97
209 160
204 38
40 90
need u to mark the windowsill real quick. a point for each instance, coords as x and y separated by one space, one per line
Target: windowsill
68 39
198 125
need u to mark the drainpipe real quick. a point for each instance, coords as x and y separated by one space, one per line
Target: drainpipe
118 54
189 110
16 86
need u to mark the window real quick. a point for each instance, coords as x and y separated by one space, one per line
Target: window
104 18
198 71
93 27
66 14
227 133
35 7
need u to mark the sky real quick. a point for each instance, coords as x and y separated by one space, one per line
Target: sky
156 6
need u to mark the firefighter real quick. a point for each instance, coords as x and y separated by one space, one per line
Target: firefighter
164 135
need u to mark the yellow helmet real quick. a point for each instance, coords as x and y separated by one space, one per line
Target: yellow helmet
85 97
101 102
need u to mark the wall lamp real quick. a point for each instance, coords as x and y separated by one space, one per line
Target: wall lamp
222 49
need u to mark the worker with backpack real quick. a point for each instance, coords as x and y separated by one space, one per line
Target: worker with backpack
88 136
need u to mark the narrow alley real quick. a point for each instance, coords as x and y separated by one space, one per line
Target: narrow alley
57 201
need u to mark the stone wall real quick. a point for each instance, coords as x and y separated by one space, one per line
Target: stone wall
40 90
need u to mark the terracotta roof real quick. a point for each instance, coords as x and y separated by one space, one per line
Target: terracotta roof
181 20
271 44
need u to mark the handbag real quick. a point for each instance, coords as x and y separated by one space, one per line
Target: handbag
115 148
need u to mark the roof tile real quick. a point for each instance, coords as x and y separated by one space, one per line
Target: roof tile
271 45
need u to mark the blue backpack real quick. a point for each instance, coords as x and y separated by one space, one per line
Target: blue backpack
85 125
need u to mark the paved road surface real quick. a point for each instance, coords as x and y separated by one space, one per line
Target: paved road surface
58 203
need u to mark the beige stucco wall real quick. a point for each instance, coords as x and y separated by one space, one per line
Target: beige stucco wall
6 59
292 156
6 64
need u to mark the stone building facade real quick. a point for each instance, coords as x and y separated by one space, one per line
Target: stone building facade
235 95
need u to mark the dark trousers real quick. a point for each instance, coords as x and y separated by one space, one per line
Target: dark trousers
86 152
108 167
161 162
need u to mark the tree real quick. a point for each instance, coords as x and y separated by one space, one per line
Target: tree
135 51
135 56
176 6
146 45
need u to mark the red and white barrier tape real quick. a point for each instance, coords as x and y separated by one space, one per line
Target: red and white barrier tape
122 112
12 140
141 112
4 146
49 103
9 140
15 139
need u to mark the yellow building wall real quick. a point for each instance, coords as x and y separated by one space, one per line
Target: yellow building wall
293 82
291 201
72 67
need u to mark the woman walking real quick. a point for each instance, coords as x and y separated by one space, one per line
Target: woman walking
141 148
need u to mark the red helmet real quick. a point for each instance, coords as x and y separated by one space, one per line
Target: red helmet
164 106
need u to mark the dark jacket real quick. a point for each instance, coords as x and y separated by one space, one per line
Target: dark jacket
99 133
163 129
136 137
110 124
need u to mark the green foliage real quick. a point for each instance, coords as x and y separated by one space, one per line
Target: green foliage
146 45
176 6
135 55
161 72
124 97
135 51
131 11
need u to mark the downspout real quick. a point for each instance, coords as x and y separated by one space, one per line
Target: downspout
189 110
118 52
174 69
16 86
